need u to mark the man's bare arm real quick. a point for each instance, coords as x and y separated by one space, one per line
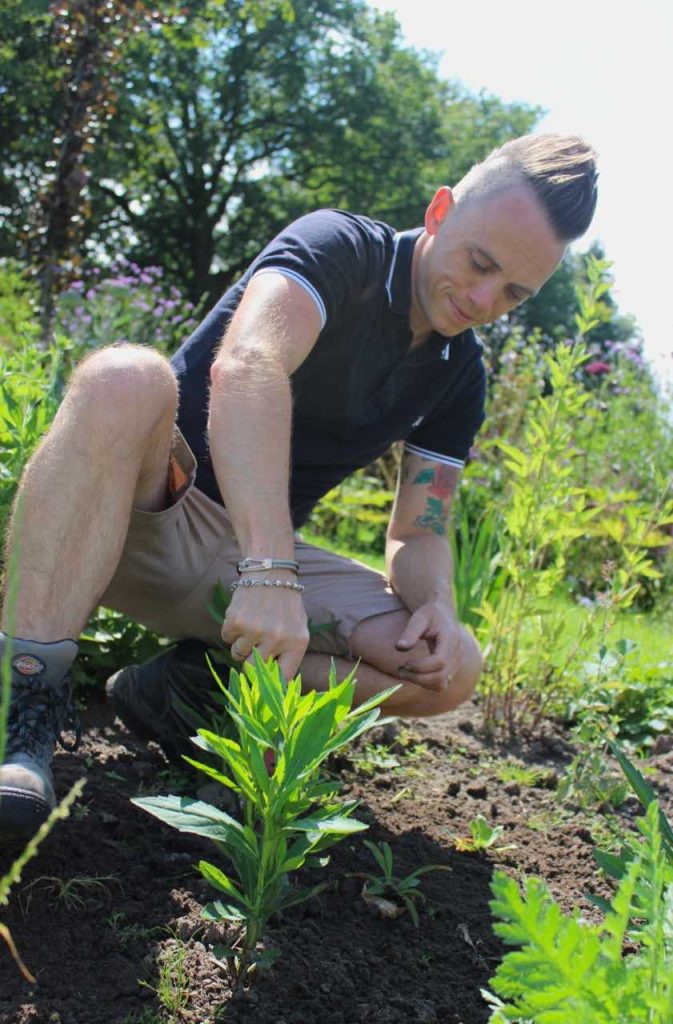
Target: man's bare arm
418 557
249 426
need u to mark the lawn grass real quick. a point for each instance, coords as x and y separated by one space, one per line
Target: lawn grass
651 631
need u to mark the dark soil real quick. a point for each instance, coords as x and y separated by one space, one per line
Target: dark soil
96 946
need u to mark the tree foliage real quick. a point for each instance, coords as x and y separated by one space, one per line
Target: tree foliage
229 119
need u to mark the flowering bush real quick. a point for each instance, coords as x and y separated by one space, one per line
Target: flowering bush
125 303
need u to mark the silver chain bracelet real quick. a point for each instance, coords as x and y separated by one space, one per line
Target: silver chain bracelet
286 584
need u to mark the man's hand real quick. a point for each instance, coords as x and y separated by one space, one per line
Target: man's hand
270 619
437 625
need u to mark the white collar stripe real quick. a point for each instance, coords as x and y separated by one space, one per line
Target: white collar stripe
446 460
389 282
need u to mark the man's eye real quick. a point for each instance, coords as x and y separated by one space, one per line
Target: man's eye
478 266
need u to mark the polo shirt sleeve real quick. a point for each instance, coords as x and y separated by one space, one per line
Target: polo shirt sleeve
331 254
448 432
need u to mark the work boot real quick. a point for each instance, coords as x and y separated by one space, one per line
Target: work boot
169 697
39 711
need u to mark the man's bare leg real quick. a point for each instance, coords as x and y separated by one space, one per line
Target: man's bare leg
373 642
107 449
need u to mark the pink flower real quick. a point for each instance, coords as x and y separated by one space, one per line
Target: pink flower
597 367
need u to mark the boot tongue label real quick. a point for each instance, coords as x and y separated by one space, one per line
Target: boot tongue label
28 665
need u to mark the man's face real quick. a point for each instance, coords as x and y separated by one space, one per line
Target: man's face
480 258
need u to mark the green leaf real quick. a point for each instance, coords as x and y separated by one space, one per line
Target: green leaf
352 730
270 686
219 880
219 911
301 897
253 728
411 907
309 743
339 825
196 817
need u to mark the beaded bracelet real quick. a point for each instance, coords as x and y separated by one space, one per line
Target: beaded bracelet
287 584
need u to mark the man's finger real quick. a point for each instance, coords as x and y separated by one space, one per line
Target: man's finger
428 681
412 634
240 649
431 663
289 664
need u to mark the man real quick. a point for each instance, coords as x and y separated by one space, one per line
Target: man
341 338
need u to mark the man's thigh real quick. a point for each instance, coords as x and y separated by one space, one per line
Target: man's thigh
173 560
340 594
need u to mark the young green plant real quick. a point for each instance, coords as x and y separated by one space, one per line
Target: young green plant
290 814
566 970
482 837
545 510
391 893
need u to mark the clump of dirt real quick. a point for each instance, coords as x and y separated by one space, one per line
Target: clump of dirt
107 917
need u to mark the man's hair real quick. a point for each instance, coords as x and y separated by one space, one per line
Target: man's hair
561 170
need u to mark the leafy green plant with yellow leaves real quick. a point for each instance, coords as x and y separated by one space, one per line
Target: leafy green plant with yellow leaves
290 812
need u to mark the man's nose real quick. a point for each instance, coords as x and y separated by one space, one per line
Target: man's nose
482 296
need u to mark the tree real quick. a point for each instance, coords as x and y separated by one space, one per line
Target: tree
227 129
73 55
28 114
191 143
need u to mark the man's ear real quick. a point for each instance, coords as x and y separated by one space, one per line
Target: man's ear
441 204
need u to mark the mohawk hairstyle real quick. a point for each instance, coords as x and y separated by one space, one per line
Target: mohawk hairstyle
561 170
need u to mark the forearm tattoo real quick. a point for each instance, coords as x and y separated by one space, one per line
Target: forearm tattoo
439 481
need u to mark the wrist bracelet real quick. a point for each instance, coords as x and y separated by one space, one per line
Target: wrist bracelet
285 584
264 564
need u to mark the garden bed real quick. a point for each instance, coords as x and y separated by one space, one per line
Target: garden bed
107 915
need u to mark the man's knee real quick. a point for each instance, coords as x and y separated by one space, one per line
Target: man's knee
126 379
460 685
374 642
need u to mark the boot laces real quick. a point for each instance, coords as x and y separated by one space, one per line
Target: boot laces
37 718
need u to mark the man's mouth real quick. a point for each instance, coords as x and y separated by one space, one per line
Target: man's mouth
461 315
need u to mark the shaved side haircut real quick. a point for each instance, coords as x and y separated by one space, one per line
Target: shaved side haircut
561 170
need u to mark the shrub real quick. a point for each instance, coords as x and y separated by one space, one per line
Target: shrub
355 514
125 303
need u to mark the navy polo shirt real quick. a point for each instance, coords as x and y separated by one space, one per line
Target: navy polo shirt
361 387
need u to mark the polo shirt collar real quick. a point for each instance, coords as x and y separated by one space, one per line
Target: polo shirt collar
398 285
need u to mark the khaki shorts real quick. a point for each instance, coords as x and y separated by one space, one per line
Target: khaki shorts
173 559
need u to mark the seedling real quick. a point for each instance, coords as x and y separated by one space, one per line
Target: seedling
290 814
390 894
172 987
375 757
72 893
513 771
616 865
482 837
127 931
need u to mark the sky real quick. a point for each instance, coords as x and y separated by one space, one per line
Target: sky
601 69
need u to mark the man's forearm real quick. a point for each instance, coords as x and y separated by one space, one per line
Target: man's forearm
420 570
249 429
